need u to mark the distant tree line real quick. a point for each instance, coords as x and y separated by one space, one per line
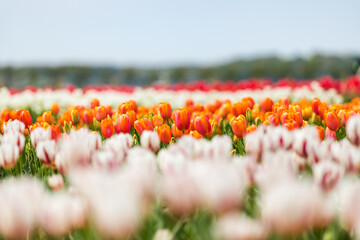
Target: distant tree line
273 68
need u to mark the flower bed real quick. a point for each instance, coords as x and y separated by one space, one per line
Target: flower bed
257 164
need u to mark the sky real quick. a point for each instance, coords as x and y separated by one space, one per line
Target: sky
166 32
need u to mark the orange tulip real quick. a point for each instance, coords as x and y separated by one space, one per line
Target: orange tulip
202 125
249 102
94 103
25 117
55 109
321 132
164 133
132 117
214 128
55 132
182 118
266 104
271 119
322 109
123 124
157 121
315 103
87 116
107 127
109 111
128 106
239 108
251 128
142 125
199 108
225 109
175 131
291 125
47 117
100 113
133 105
292 116
284 101
165 110
332 121
210 107
195 134
5 115
238 126
189 102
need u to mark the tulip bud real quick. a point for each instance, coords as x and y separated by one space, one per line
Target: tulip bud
182 119
56 182
257 121
164 133
123 124
239 126
46 151
150 140
202 125
306 113
143 124
96 124
107 127
215 127
75 118
249 116
165 110
67 127
55 109
331 120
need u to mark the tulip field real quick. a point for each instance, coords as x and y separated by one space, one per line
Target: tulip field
198 161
